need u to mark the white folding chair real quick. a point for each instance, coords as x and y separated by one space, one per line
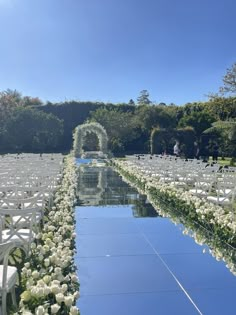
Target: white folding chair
203 185
20 231
8 276
225 194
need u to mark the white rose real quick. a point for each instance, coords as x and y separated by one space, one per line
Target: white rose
46 279
51 228
26 296
35 274
55 289
48 242
24 270
46 248
46 262
47 290
40 310
52 258
74 310
60 298
38 236
74 278
40 291
50 234
42 251
57 270
29 283
41 283
27 265
60 277
67 243
64 287
69 300
55 308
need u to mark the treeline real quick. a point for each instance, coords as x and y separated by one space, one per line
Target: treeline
23 128
203 123
28 125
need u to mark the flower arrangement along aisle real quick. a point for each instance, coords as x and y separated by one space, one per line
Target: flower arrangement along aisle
206 222
49 276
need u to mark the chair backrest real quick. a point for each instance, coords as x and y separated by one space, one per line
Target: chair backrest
226 191
13 227
37 201
5 250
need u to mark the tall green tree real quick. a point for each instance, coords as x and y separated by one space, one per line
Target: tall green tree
229 81
131 102
143 98
11 99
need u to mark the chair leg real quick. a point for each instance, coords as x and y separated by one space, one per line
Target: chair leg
4 303
13 296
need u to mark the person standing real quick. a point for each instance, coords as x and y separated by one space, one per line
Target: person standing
176 149
196 150
215 152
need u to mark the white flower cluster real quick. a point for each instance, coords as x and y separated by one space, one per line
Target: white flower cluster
49 278
82 130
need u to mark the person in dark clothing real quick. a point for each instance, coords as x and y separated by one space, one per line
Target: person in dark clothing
215 152
196 150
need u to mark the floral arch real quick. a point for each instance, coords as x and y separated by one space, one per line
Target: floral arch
91 192
79 137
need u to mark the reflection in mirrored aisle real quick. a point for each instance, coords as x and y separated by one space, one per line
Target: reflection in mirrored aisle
131 261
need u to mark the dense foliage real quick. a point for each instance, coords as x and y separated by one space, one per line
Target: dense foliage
29 130
163 140
28 125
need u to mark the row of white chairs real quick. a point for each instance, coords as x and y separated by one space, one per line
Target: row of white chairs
24 192
211 181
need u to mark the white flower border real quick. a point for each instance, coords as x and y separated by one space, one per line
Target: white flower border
218 214
49 277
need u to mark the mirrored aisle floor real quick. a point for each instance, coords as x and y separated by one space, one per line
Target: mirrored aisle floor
145 265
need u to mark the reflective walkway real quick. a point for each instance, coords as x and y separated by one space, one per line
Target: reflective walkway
132 265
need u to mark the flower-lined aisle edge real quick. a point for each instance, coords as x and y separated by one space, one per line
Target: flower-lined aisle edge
207 223
49 276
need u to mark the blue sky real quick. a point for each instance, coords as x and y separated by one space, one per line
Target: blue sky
110 50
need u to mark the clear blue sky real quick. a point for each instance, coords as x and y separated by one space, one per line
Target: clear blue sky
110 50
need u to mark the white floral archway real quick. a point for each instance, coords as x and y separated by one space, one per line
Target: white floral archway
80 134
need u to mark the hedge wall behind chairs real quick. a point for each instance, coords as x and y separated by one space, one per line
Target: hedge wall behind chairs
163 140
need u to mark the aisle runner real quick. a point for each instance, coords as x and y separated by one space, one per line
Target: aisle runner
136 266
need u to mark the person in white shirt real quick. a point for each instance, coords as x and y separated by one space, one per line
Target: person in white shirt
176 149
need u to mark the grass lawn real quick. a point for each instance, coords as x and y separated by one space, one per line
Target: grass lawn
226 161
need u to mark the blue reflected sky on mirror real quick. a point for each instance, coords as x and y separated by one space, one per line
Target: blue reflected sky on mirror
139 264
